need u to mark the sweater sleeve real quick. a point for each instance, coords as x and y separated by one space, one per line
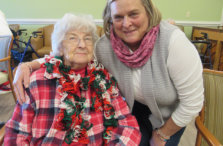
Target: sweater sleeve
41 60
185 69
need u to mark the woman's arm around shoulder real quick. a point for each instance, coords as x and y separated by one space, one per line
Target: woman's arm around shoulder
22 77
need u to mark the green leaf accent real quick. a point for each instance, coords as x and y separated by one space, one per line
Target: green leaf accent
69 136
93 99
85 81
111 122
86 125
49 67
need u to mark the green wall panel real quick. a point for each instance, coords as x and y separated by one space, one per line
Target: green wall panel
185 10
191 10
50 8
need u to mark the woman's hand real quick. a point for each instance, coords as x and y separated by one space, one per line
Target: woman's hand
21 78
155 140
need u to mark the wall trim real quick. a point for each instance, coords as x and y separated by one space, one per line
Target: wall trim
100 22
41 21
200 23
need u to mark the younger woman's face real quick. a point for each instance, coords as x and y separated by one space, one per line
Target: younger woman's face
130 21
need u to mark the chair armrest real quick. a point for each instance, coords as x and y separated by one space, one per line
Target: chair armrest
37 43
207 135
5 59
2 133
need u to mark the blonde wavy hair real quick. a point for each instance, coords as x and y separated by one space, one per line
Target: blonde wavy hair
152 12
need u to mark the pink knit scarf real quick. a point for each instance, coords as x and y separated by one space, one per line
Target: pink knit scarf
140 56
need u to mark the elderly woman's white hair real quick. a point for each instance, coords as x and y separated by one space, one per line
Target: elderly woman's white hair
69 22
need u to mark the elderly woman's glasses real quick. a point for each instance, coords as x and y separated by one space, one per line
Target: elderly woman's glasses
88 40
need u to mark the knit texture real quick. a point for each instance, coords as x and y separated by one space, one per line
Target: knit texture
155 80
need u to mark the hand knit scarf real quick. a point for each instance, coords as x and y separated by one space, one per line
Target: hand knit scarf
71 117
139 57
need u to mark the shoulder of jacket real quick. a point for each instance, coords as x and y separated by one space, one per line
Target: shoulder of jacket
103 39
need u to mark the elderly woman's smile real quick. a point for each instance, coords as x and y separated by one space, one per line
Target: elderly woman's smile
77 48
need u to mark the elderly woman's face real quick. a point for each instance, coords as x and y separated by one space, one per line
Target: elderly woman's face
130 21
77 49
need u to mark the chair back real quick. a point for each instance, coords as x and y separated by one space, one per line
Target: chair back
47 31
213 105
2 134
6 42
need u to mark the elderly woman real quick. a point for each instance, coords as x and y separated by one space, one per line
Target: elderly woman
157 68
73 100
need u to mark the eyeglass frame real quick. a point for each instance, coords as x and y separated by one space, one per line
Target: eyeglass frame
88 40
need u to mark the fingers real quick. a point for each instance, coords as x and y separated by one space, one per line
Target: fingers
21 77
26 80
18 96
21 92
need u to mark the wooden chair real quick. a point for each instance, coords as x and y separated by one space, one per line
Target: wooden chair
209 123
5 47
2 133
204 46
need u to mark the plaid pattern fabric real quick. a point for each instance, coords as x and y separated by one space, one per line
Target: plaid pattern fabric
33 122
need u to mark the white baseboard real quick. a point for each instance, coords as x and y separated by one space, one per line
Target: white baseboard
199 23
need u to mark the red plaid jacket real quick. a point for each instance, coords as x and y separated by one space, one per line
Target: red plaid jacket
32 123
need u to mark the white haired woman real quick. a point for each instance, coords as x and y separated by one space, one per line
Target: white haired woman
72 100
